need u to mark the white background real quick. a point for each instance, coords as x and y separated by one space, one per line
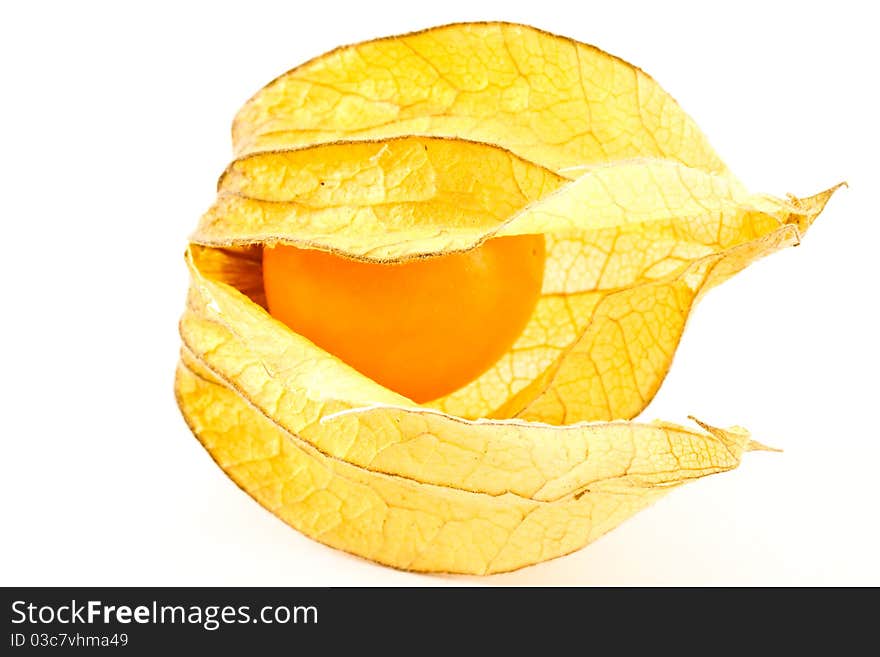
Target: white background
115 126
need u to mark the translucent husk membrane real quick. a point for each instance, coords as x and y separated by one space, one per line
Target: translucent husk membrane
432 143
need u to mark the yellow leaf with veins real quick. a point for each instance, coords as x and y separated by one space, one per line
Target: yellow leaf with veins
547 98
420 146
411 524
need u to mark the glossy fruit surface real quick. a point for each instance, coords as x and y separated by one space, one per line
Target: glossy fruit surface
423 328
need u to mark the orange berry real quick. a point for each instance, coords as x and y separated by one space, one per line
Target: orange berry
423 328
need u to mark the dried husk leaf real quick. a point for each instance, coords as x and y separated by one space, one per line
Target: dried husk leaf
318 399
420 526
631 246
432 143
550 99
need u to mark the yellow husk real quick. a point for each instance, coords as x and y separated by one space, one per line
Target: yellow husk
432 143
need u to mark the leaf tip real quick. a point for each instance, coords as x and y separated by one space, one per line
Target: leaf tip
755 446
735 435
810 207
